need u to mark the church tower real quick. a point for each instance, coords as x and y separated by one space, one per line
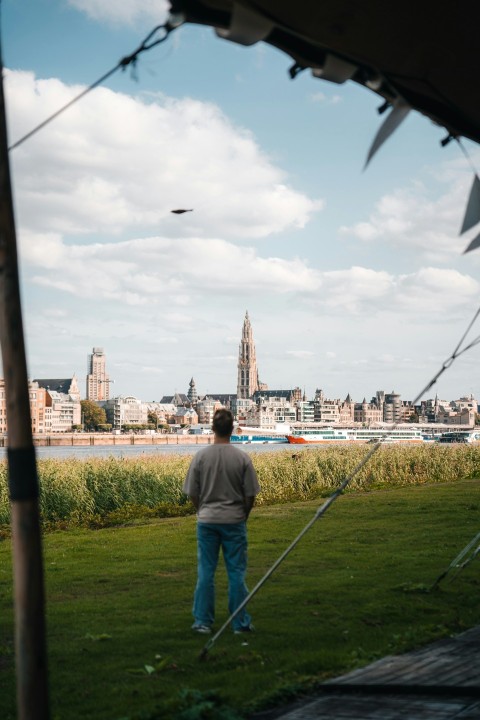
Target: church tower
192 393
247 382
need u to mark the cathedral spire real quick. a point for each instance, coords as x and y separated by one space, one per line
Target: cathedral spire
247 382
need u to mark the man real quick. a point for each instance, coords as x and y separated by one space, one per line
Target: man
222 484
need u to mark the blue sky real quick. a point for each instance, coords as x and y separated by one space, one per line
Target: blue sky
354 280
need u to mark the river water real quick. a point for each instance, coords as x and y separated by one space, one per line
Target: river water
125 451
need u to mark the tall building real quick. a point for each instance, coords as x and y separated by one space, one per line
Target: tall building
392 408
98 382
247 382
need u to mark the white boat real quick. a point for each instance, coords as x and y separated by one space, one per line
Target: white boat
460 436
319 435
331 435
388 436
259 439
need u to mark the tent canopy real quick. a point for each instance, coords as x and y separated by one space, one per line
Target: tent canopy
414 53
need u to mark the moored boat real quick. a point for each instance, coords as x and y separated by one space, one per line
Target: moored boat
388 436
259 439
328 435
460 436
318 435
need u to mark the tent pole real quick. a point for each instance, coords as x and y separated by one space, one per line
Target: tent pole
30 645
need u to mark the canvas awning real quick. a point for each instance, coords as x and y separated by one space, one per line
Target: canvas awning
422 53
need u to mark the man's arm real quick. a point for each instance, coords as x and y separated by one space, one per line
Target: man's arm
250 486
191 485
195 501
249 503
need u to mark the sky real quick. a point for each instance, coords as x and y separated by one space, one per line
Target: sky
354 280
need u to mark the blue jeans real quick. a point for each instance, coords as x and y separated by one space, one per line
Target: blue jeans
232 538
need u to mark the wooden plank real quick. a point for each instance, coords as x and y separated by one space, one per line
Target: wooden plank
451 661
448 667
390 707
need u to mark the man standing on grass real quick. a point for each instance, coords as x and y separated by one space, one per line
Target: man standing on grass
222 484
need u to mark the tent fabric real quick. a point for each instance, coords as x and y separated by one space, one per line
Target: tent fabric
419 53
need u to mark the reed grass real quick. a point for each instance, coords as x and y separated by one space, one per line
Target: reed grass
110 490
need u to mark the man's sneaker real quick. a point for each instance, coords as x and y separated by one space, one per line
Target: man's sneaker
203 629
246 629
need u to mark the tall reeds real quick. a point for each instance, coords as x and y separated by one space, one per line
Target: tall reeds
76 490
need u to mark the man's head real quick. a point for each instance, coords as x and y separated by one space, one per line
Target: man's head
222 424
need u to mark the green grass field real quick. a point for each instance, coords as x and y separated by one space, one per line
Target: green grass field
355 589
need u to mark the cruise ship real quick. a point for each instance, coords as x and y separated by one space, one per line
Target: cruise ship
244 435
262 439
460 436
300 436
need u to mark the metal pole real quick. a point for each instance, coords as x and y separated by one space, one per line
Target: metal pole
456 562
30 648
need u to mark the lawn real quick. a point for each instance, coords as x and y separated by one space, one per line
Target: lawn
355 589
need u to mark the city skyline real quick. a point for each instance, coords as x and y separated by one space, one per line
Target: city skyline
98 382
354 282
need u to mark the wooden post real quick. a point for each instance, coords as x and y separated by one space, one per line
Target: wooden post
30 646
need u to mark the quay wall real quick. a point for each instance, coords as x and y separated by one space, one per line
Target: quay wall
98 439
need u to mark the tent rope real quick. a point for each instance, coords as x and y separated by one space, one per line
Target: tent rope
147 44
456 562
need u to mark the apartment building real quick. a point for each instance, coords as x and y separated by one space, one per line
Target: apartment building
62 412
163 412
125 410
367 413
206 409
50 411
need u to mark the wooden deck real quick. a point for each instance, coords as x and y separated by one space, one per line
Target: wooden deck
440 681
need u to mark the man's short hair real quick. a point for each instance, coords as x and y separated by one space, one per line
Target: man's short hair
222 424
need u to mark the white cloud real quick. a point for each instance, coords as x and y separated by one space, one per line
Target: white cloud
146 270
437 290
354 288
411 217
177 319
44 249
183 272
55 312
125 12
152 369
166 340
428 291
300 354
320 97
114 164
